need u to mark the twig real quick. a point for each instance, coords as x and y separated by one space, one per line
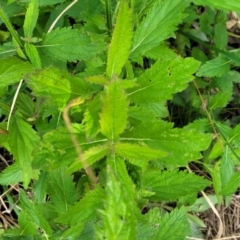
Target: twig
60 15
81 156
4 160
13 103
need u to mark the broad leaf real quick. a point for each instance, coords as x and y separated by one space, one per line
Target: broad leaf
12 71
232 186
84 210
30 18
159 24
91 156
118 218
56 150
226 166
181 145
220 31
121 41
172 185
162 52
23 140
51 83
138 155
7 50
68 44
61 190
34 215
215 68
173 225
235 136
39 187
147 227
11 175
91 118
220 4
220 100
163 79
113 118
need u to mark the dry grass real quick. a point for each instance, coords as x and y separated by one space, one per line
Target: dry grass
230 216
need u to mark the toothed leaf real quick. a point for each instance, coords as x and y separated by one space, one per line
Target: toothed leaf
68 44
113 118
121 41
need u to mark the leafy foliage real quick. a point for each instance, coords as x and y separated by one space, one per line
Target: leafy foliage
114 112
93 137
168 186
121 36
153 30
68 44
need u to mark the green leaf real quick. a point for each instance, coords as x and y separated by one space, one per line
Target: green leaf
23 140
173 225
7 50
92 155
52 83
26 227
163 79
159 24
182 145
226 166
147 227
57 150
232 186
220 100
233 76
4 17
118 218
215 68
97 79
138 155
61 190
12 71
121 41
91 117
26 105
171 185
39 188
220 30
235 136
68 44
220 4
84 210
113 118
161 51
33 55
73 232
31 17
141 113
11 175
34 214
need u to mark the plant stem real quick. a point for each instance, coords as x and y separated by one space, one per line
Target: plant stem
108 14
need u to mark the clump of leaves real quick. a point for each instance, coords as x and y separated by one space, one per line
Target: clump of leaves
87 126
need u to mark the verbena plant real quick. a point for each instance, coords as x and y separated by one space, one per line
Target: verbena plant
84 92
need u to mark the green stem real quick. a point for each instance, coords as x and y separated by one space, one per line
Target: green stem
233 35
108 14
